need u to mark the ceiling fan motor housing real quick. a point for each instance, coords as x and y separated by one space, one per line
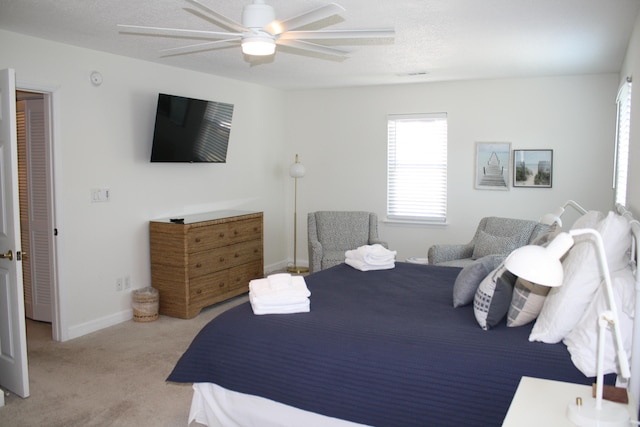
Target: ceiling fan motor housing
257 15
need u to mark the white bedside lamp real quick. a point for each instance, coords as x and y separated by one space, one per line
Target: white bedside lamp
554 216
542 266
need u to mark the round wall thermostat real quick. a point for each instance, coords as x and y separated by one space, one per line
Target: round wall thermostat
96 78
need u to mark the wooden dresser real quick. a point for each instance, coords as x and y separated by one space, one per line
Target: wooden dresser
207 259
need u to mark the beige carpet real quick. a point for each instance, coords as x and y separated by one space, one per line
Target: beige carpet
113 377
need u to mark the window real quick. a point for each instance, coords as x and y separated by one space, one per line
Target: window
417 167
621 158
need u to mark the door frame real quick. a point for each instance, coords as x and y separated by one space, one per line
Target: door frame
59 331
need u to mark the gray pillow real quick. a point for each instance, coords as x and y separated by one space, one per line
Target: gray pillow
488 244
469 278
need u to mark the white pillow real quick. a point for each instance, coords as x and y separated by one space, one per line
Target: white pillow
566 304
582 341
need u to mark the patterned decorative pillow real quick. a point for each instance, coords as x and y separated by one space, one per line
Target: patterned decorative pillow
469 278
526 302
493 297
488 244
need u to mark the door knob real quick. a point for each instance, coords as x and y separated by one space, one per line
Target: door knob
9 255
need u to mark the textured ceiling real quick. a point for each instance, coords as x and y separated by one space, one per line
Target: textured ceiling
436 40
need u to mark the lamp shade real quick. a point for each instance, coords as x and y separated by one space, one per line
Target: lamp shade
534 264
538 264
552 217
297 169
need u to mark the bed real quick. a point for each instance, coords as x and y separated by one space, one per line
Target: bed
383 348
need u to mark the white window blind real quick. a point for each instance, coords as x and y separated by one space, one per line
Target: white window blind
621 158
417 167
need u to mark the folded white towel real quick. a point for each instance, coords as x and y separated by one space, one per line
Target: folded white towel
279 280
372 254
363 266
265 295
303 306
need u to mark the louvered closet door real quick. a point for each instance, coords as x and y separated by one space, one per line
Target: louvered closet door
40 232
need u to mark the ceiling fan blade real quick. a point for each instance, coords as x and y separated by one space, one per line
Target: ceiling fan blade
309 17
337 34
195 47
221 19
312 47
178 31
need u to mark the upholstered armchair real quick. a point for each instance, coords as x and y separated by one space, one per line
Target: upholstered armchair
332 233
494 236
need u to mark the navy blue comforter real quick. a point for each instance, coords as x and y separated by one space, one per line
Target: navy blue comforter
383 348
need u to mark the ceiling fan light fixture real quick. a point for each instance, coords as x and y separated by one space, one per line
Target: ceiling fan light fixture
257 14
258 46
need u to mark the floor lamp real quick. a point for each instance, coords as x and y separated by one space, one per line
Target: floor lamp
296 170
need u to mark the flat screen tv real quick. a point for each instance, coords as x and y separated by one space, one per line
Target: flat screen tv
191 130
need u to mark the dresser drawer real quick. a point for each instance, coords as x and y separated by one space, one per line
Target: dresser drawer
204 288
200 239
242 253
249 229
217 259
201 263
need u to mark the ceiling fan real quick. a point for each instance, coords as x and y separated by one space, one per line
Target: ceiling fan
260 31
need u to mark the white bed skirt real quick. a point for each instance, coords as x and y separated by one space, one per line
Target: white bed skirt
216 406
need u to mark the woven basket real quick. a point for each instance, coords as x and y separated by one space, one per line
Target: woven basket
145 304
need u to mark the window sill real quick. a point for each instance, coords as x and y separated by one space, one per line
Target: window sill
412 222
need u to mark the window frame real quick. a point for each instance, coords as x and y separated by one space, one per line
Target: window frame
622 141
432 208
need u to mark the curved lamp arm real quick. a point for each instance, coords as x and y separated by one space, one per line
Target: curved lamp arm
554 216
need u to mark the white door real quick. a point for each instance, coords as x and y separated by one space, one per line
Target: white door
14 375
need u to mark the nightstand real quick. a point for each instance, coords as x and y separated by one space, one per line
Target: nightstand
539 402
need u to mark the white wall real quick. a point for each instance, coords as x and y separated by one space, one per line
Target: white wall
631 67
104 138
104 141
341 137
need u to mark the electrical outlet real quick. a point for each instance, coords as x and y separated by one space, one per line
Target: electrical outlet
119 284
127 282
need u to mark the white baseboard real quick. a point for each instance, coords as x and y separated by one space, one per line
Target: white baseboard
282 265
97 324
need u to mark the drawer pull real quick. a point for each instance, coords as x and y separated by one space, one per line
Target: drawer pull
199 291
198 265
221 285
236 255
197 240
221 259
221 235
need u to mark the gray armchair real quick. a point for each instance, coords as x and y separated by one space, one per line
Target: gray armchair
494 236
332 233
